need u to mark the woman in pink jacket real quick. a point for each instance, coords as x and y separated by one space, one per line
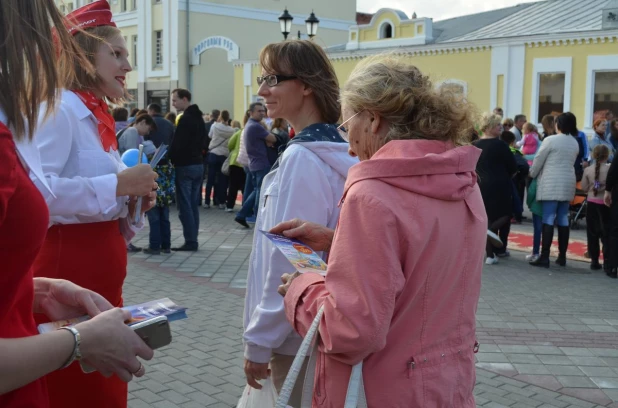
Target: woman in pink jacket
404 273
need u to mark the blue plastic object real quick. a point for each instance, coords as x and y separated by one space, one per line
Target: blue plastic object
129 158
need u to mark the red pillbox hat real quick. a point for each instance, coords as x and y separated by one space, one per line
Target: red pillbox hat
95 14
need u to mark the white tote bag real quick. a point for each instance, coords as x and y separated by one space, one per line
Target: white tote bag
264 398
355 396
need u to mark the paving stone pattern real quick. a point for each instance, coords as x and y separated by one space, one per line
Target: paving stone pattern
548 337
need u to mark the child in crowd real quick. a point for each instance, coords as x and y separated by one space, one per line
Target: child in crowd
530 143
597 213
159 215
537 220
519 180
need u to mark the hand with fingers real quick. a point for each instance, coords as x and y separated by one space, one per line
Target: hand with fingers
136 181
256 372
112 347
316 236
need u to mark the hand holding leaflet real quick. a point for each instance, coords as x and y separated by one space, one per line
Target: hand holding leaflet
303 258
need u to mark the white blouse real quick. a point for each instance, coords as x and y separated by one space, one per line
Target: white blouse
80 174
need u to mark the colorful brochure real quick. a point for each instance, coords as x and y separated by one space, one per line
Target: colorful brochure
303 258
141 312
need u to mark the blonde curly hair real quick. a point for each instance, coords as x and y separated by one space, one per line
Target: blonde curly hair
489 121
393 88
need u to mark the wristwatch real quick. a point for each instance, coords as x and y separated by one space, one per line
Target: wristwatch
76 355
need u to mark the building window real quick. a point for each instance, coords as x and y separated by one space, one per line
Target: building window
123 5
133 4
134 39
551 93
70 7
158 43
605 93
386 30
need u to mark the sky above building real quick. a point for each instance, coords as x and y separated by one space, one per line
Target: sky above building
437 9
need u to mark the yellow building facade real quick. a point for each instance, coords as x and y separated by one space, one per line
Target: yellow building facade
531 59
194 43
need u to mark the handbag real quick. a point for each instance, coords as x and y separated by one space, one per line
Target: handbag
355 396
225 168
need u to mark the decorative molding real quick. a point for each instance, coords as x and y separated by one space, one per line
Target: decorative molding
198 6
393 28
126 19
562 65
596 63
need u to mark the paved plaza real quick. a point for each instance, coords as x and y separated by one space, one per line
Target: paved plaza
549 338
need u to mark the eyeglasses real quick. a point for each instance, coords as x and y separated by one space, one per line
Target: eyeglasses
272 80
342 130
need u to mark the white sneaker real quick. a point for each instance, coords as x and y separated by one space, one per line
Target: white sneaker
532 257
228 210
491 261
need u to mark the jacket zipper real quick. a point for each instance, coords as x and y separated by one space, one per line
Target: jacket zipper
411 366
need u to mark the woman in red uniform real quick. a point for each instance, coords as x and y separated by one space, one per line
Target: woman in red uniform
92 197
104 342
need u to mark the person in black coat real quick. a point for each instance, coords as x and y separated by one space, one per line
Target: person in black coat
186 155
611 200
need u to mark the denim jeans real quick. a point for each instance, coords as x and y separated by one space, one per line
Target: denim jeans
188 186
556 212
253 201
537 223
216 179
204 179
160 230
248 185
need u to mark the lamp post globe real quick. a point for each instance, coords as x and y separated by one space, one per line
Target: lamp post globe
312 25
285 20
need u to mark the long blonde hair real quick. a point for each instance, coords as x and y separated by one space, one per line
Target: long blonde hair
30 48
406 98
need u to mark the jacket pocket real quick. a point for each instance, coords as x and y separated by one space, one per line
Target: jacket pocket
440 378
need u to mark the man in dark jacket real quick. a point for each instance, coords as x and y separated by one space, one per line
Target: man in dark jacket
186 155
165 130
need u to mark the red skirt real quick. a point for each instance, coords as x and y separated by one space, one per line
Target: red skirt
93 256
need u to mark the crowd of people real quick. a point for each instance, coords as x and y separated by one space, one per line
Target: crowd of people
549 169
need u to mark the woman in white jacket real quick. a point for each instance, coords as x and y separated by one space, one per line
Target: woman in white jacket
220 133
553 168
299 84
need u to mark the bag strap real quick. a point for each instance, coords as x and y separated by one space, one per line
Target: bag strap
290 380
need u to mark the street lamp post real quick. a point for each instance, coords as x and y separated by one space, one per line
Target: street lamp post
312 25
285 19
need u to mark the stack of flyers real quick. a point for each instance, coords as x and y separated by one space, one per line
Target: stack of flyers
141 312
303 258
156 158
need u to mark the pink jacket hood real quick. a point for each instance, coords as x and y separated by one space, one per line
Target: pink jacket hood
427 167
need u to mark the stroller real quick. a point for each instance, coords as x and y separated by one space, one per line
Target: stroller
577 207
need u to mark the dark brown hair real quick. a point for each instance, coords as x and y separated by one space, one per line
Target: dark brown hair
171 116
30 54
120 114
144 117
600 153
182 93
549 124
225 116
308 62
